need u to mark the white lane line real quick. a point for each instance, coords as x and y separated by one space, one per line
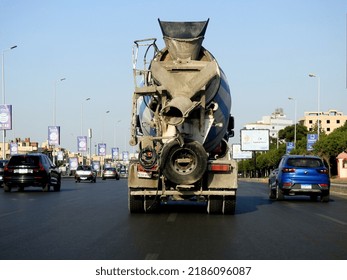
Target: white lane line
333 219
10 213
152 256
172 217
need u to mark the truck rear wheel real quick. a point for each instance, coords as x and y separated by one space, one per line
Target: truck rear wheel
151 204
229 205
215 204
135 203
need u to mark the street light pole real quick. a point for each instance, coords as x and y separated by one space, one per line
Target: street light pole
55 99
295 106
318 103
3 97
87 99
103 124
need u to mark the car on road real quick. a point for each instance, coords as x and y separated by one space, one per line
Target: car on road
300 175
3 162
110 173
36 169
85 173
123 173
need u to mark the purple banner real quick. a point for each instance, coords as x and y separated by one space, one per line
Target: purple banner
13 148
73 163
6 117
54 135
115 153
101 149
82 143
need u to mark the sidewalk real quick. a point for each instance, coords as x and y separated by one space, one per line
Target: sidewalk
337 185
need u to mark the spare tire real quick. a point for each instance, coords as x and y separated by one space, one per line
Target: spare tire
186 164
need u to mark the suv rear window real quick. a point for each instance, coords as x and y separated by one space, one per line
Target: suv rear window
304 162
24 160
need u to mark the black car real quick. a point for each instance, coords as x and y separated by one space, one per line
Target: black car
35 170
3 162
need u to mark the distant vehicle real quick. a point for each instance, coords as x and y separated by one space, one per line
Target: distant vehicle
85 173
35 170
123 173
300 175
2 164
110 172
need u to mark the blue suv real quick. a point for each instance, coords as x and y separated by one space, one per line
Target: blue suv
300 175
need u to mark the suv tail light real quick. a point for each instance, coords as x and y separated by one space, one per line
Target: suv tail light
40 168
8 169
288 170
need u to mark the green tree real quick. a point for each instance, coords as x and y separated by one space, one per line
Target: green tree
329 146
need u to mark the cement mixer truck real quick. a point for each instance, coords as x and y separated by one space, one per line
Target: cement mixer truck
181 123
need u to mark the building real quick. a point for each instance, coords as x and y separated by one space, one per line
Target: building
21 147
328 121
273 123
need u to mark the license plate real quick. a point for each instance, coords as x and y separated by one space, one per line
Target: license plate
306 186
142 174
23 171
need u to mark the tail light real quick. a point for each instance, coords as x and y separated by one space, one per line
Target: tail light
40 168
323 171
6 169
219 167
288 170
324 185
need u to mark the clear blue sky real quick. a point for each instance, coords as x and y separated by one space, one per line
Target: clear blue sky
266 48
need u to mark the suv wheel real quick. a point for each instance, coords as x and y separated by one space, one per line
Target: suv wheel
279 193
7 188
57 186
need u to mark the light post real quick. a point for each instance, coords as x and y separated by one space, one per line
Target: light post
103 124
87 99
115 133
318 103
295 106
55 99
3 97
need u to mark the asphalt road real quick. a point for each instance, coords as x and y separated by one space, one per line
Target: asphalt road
91 221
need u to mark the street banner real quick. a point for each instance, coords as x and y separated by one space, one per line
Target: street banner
54 135
125 156
101 149
115 153
5 117
96 165
311 140
60 156
82 143
290 146
13 148
73 163
255 139
239 154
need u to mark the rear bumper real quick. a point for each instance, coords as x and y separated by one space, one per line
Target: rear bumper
306 189
26 182
84 178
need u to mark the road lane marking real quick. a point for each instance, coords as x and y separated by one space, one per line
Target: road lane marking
172 217
333 219
10 213
152 256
